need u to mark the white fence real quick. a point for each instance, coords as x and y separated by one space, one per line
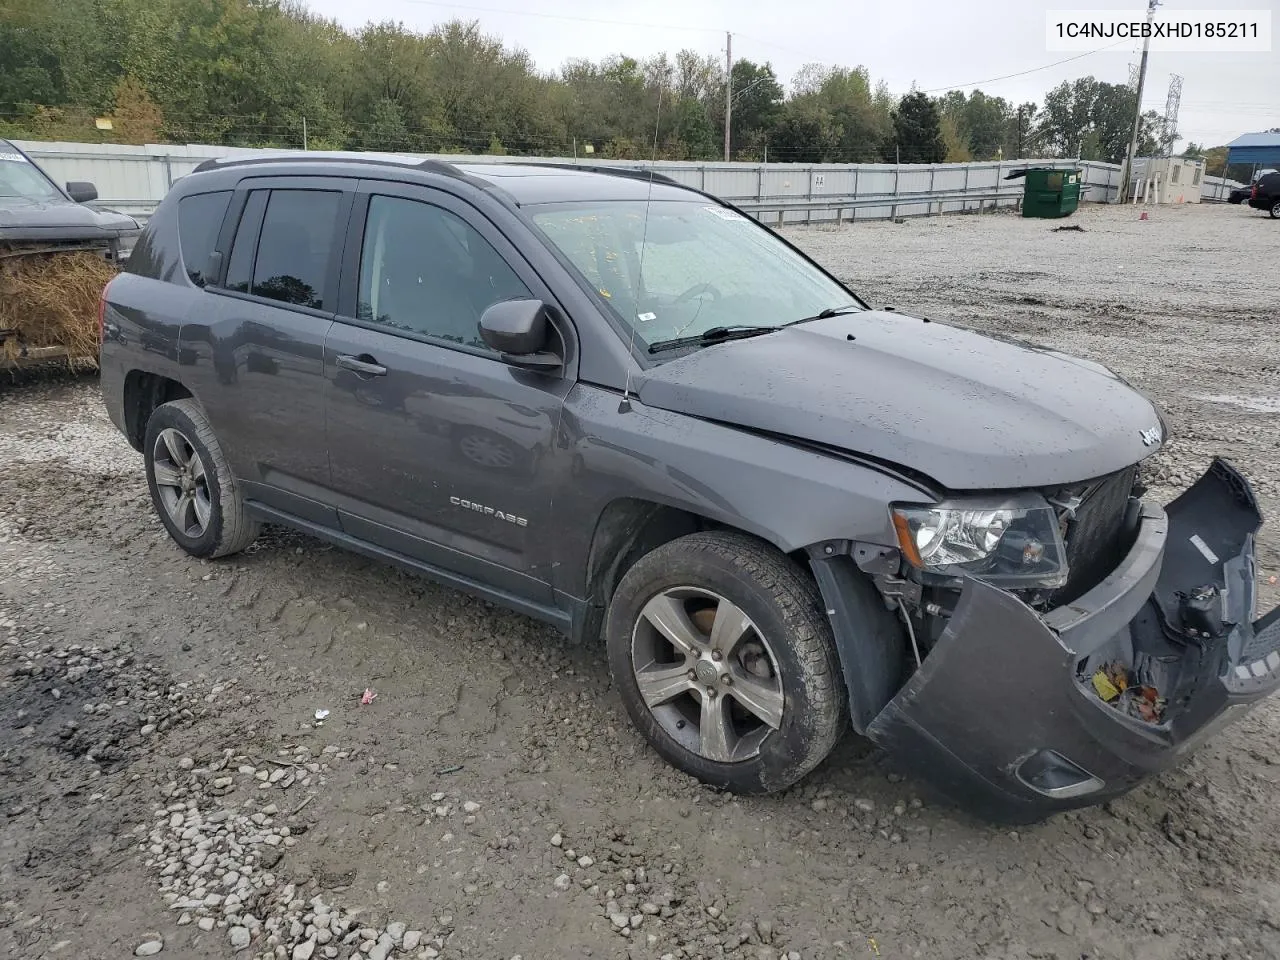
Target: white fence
135 178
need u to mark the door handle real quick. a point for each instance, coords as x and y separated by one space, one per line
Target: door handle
363 365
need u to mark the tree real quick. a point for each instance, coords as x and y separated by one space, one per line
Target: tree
1094 120
917 132
757 104
1215 164
986 120
956 146
805 133
1021 139
136 117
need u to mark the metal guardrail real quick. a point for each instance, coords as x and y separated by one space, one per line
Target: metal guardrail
142 210
893 201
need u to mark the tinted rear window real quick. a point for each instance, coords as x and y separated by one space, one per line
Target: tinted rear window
199 219
293 251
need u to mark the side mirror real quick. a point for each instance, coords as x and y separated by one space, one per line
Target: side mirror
81 191
518 330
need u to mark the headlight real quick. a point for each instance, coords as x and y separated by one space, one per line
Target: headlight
1011 542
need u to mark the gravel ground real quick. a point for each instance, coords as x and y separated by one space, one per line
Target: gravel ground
167 786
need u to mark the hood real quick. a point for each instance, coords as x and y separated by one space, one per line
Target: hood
970 411
22 218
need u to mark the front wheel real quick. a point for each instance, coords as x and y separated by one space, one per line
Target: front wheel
725 661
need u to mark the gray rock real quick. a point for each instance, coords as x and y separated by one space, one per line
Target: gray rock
620 920
562 882
148 948
396 931
239 937
411 940
205 923
304 950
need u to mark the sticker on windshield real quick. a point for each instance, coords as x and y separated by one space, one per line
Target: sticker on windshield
15 157
646 317
724 214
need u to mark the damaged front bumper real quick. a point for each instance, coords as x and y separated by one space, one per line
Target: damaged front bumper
1017 714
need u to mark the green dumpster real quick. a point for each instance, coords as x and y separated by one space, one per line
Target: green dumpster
1049 193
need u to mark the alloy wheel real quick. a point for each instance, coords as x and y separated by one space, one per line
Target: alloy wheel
182 482
707 674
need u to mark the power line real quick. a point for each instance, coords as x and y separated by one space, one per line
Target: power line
1023 73
561 16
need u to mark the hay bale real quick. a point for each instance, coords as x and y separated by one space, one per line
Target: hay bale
51 300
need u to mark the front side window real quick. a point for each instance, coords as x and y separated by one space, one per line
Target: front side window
679 268
427 271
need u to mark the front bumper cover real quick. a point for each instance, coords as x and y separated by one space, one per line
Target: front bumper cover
1003 715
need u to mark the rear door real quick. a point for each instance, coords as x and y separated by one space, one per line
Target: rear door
257 342
439 450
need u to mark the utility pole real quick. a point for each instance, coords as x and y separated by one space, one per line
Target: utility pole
728 89
1126 174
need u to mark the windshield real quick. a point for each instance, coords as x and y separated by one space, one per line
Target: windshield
18 178
699 266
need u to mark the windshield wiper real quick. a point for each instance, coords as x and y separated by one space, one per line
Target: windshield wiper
710 336
826 314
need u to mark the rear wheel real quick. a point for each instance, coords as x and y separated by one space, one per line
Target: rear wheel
192 487
725 661
1275 210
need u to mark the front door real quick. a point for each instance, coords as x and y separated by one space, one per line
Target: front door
438 449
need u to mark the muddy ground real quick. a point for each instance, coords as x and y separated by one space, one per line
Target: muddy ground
165 786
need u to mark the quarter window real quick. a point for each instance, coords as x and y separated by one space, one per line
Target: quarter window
199 219
427 271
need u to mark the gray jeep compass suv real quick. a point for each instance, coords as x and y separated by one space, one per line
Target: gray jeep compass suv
623 407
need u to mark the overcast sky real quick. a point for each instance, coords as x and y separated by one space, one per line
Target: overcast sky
934 44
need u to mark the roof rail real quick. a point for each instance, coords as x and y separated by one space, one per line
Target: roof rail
427 165
629 172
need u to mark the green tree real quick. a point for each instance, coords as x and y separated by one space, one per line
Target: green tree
917 132
957 146
757 104
806 132
1094 120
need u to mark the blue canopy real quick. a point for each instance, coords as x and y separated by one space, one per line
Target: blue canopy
1255 148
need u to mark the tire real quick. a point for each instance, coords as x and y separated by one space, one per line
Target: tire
202 508
1275 210
783 660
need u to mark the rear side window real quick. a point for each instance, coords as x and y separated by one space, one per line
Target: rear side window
199 219
290 260
293 250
